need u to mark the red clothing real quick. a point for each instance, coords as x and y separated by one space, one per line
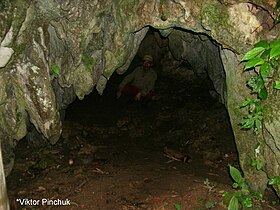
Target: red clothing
131 91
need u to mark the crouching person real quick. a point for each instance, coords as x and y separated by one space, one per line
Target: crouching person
139 85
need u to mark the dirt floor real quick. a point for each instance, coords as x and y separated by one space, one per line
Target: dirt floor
119 155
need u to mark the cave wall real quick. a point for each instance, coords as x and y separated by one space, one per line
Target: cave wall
203 56
36 35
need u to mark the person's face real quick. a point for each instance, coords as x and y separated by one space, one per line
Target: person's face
147 65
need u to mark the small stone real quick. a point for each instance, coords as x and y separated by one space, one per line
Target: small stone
70 162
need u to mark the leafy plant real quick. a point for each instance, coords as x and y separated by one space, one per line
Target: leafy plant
177 206
242 197
253 119
258 164
55 70
258 161
206 203
263 59
275 181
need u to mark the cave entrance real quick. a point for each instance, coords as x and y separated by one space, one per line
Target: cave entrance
188 115
119 154
182 138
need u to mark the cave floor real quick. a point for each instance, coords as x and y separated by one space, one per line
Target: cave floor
116 154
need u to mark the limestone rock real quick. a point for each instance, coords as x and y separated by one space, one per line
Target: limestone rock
5 55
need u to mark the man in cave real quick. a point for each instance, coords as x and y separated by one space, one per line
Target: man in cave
139 85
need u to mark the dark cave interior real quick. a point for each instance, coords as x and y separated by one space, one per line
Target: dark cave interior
181 92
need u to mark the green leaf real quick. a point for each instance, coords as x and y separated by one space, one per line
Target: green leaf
247 203
277 84
227 197
262 43
275 47
275 43
233 204
257 163
245 103
252 107
272 181
253 63
265 70
263 93
259 109
247 116
235 174
274 63
235 185
275 51
265 54
256 83
244 187
248 124
253 162
55 69
253 53
243 121
260 165
177 206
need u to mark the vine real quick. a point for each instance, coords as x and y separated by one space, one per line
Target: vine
263 59
264 63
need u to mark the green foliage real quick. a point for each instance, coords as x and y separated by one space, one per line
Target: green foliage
253 119
55 70
239 181
258 164
234 204
206 203
242 197
177 206
263 59
275 181
88 62
277 85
